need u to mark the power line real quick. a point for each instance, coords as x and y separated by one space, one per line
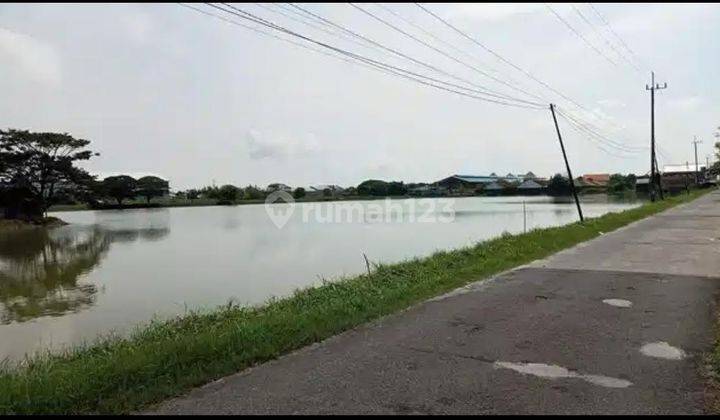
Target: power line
504 60
443 53
579 35
347 60
310 24
607 42
596 132
393 69
611 30
595 138
597 144
260 31
442 41
487 91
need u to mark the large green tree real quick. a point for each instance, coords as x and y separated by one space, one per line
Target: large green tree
36 168
120 187
229 193
559 185
152 186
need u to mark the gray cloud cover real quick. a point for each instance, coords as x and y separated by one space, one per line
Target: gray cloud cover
162 89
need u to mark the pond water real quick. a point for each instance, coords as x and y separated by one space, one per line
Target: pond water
110 270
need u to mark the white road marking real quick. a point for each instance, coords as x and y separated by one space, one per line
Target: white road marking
662 350
620 303
543 370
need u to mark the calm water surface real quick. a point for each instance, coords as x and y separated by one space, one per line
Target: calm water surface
110 270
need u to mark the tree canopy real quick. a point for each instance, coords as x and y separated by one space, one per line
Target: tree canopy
152 186
380 188
36 168
559 185
119 187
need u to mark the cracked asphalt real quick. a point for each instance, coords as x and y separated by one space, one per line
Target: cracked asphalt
535 340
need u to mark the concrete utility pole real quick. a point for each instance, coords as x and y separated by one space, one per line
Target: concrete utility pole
697 169
567 165
653 179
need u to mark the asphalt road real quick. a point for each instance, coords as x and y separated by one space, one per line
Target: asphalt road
616 325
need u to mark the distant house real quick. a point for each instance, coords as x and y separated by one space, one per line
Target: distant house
335 189
678 177
466 183
530 187
642 184
481 183
427 191
324 190
596 180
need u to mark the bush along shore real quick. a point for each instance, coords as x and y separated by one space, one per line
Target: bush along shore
166 358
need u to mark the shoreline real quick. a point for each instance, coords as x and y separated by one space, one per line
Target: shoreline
10 225
204 203
166 358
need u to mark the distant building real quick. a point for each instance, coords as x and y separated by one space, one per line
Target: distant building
323 190
597 180
481 183
530 187
642 184
427 191
333 188
679 177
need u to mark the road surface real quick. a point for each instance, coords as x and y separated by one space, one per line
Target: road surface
615 325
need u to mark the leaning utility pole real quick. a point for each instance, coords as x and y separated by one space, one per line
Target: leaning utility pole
653 180
697 169
567 165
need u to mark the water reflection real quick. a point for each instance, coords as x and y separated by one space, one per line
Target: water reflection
41 270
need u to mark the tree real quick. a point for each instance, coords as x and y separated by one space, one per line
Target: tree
252 192
192 194
228 193
397 188
373 187
299 192
152 186
119 187
379 188
559 185
36 167
619 183
715 168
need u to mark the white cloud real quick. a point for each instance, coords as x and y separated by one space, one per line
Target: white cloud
34 58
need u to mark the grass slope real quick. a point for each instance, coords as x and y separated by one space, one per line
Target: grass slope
167 358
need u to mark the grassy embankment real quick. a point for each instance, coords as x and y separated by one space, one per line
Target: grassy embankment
166 358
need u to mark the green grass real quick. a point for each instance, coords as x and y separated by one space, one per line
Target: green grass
167 358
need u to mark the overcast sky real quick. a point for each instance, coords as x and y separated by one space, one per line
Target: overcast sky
162 89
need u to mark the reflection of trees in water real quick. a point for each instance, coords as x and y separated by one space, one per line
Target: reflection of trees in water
40 269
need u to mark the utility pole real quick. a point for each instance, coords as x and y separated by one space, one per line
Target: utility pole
697 169
653 179
659 177
567 165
